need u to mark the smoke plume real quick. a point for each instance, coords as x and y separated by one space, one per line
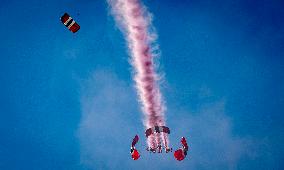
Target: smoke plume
135 22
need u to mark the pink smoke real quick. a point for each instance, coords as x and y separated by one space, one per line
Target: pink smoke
135 22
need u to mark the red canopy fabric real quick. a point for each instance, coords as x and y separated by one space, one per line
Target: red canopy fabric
70 23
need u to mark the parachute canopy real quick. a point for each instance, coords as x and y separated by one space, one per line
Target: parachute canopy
157 129
135 140
70 23
135 154
181 153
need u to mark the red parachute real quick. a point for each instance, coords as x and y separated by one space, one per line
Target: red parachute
181 153
70 23
134 152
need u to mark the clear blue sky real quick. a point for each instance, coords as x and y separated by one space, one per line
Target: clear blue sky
68 101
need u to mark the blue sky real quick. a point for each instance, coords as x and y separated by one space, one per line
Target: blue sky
68 101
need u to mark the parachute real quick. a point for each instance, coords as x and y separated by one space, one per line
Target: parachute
133 151
181 153
135 140
70 23
135 154
157 129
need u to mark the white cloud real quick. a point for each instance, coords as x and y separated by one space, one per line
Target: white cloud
210 136
108 121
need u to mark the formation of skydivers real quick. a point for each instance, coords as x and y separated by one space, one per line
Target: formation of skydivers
179 154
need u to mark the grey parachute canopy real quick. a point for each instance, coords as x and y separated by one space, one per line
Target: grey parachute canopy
157 129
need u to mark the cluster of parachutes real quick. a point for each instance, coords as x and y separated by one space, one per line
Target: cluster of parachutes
179 154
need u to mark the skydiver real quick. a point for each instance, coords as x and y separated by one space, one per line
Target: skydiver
167 149
153 150
159 148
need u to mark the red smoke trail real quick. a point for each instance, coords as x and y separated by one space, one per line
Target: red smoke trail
135 22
